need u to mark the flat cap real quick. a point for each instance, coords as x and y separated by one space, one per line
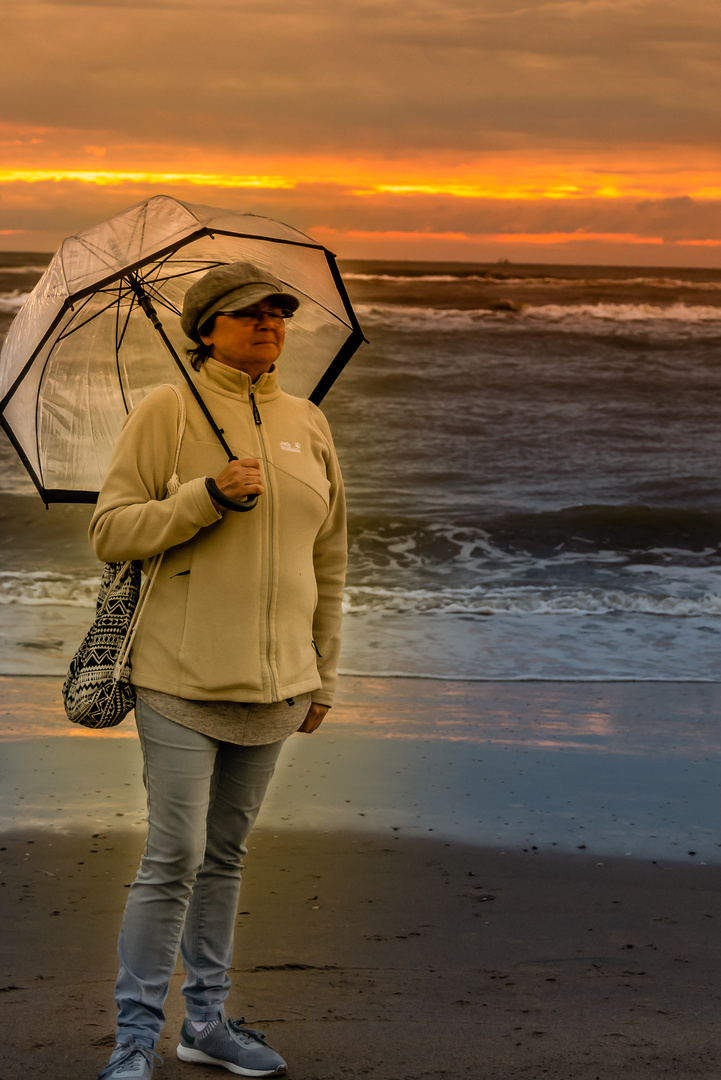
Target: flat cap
231 287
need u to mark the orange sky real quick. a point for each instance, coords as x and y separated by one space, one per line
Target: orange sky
564 130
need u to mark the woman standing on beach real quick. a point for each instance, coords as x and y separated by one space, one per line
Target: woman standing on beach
237 648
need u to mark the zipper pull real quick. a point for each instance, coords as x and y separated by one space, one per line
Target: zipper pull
256 414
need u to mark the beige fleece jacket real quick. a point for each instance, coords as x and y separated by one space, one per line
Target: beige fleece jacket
246 606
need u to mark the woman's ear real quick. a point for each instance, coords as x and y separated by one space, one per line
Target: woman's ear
205 331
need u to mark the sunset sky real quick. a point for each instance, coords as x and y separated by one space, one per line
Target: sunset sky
559 131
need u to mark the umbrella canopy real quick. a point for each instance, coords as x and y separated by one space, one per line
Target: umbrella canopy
83 351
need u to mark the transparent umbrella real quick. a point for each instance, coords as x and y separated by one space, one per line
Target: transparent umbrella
101 329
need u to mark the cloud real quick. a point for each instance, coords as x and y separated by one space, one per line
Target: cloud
364 75
429 107
71 206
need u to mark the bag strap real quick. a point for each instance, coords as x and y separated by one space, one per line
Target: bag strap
172 488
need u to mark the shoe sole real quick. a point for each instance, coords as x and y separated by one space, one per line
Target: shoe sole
197 1057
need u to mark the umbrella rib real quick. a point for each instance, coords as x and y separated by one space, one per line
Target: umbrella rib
75 326
157 296
134 267
178 245
153 284
24 458
119 340
95 250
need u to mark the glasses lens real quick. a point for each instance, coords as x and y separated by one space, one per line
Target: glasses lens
256 314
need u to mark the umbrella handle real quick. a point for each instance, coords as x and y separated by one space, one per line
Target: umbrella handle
229 504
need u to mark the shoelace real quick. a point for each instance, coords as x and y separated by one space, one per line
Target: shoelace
236 1028
133 1048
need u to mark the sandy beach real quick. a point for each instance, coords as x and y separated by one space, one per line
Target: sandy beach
375 938
388 957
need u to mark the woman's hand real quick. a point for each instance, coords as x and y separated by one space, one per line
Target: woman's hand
314 718
240 479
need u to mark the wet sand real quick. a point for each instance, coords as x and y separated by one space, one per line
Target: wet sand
387 957
375 939
609 769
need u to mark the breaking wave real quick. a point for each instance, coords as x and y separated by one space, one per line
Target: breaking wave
14 270
34 587
647 320
11 302
432 278
528 600
58 589
492 277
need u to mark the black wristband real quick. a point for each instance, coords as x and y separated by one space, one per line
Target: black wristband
229 504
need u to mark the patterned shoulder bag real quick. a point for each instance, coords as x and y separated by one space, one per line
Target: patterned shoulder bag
97 691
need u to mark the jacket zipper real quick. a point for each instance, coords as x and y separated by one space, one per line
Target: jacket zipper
264 455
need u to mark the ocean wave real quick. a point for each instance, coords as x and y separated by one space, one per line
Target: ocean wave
678 312
35 587
498 277
647 320
581 547
524 600
11 302
413 278
7 270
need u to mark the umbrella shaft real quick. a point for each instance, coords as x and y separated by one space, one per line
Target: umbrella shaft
146 304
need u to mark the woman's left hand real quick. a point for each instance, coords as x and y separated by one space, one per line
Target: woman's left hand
314 718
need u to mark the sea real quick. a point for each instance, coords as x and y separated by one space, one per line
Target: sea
532 457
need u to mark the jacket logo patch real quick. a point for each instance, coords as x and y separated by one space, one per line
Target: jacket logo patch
294 448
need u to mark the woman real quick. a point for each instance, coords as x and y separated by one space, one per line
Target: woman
236 649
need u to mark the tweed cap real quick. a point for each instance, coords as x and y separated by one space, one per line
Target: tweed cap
231 287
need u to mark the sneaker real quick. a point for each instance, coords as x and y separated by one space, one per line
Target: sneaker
238 1049
130 1061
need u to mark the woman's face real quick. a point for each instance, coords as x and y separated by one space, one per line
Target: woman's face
250 340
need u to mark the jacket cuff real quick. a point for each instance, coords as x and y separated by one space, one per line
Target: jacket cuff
203 502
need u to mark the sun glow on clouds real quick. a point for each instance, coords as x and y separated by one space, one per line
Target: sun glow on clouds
425 206
577 236
106 177
505 187
515 176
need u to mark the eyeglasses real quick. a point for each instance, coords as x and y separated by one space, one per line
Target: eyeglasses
256 315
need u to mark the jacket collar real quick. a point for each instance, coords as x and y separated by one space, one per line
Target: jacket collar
226 380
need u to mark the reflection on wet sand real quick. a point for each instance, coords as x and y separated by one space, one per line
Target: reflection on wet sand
606 769
648 719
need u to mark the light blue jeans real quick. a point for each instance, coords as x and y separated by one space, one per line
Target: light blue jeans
203 798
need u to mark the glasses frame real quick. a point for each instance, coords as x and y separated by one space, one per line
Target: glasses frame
249 315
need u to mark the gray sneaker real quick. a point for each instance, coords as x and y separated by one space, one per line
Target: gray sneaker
238 1049
130 1061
